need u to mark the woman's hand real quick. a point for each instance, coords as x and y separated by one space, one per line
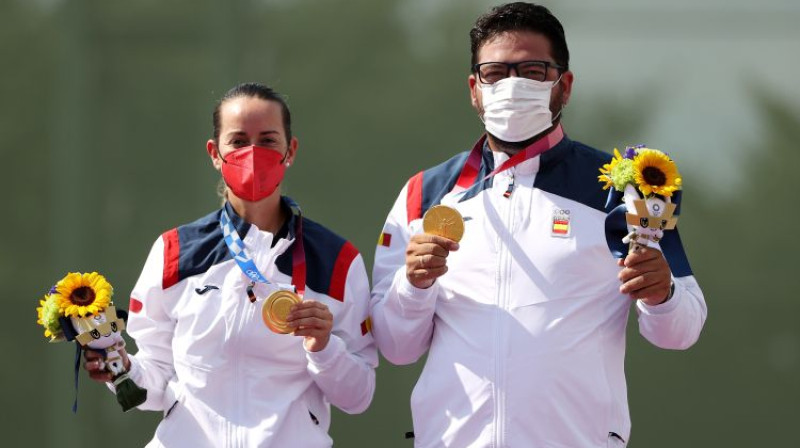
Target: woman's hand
96 365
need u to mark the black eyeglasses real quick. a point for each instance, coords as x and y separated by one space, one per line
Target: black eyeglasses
491 72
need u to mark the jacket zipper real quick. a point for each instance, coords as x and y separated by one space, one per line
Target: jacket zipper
240 313
503 292
244 311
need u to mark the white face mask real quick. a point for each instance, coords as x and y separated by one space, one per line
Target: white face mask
516 109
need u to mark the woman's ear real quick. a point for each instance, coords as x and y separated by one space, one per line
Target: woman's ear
213 152
293 145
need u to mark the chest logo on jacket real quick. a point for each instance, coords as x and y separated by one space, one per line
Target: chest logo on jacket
205 289
561 227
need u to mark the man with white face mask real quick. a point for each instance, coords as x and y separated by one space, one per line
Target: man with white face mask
524 319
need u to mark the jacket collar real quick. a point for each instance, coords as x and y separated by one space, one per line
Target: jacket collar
287 203
547 159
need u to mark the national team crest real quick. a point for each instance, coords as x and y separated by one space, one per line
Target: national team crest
561 223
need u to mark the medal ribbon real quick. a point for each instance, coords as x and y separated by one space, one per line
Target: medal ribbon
298 253
239 252
469 174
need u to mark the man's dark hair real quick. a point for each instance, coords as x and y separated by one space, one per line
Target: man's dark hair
254 90
520 16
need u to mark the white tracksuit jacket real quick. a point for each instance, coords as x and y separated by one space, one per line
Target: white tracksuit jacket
207 360
525 333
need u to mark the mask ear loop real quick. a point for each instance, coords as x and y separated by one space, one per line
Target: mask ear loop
481 111
225 189
563 105
558 80
558 115
480 106
219 154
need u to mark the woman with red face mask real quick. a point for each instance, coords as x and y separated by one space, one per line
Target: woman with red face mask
252 320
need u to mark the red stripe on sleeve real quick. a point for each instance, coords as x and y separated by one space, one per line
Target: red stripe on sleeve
134 306
171 252
347 254
414 198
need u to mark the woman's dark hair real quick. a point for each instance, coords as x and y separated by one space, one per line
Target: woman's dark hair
520 16
254 90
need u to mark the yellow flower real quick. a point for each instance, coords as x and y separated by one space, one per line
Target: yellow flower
655 173
605 171
81 294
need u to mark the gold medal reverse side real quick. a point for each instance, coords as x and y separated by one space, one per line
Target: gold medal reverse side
443 221
276 308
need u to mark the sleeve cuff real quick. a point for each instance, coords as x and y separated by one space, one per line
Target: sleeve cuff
135 372
413 298
662 308
327 355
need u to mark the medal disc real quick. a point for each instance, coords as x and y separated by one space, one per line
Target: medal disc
443 221
276 308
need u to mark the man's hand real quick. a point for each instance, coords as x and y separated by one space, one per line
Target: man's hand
426 259
312 320
96 365
645 276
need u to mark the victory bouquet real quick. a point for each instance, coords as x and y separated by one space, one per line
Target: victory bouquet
79 308
643 201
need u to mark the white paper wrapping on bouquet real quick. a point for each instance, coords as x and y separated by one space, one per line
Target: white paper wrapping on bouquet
647 218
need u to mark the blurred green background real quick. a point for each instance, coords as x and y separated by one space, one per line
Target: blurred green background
106 106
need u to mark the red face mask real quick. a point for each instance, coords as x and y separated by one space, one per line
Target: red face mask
253 172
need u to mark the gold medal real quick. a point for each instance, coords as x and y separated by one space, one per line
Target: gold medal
276 308
443 221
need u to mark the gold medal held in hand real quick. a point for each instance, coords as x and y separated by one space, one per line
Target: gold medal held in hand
276 308
443 221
